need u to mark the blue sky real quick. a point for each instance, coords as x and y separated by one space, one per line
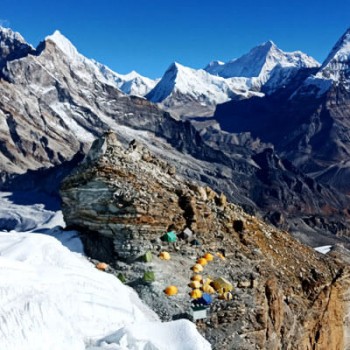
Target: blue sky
147 35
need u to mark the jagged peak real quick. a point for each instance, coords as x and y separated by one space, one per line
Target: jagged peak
9 33
340 49
63 44
268 45
175 66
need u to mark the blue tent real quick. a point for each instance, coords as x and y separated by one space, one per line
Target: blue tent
205 299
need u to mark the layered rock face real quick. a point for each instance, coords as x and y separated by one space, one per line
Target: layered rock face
287 296
131 197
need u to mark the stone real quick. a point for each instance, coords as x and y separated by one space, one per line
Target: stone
244 284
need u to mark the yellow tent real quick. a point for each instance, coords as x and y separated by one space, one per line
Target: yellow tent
164 255
197 278
207 281
194 284
197 268
208 289
196 294
220 255
171 290
222 284
208 257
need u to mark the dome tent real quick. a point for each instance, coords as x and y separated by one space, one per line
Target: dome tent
170 237
205 299
171 290
221 284
164 256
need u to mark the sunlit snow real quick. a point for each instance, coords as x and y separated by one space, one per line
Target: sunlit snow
52 297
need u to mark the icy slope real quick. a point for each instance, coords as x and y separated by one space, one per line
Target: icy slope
52 298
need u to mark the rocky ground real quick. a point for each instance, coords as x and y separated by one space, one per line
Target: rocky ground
286 295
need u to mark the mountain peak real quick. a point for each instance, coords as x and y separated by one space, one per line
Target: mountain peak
7 33
175 66
336 66
63 44
268 44
12 46
260 61
341 48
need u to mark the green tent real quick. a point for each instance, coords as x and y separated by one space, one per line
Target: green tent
121 277
148 257
170 237
149 276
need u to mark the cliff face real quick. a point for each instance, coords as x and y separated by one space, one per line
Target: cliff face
287 296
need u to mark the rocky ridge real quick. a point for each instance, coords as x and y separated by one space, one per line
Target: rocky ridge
287 295
54 102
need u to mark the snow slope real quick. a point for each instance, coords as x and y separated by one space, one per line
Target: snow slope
53 298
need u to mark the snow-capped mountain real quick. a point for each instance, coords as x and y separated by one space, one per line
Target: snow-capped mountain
337 65
314 129
265 65
54 104
132 83
12 45
335 71
188 91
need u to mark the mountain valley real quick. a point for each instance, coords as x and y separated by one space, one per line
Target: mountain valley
261 141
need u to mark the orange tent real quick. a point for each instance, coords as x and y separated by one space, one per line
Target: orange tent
171 290
102 266
202 261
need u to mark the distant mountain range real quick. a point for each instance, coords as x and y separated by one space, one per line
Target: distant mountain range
54 102
264 69
308 120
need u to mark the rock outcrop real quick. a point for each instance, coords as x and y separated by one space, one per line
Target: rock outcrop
54 102
287 296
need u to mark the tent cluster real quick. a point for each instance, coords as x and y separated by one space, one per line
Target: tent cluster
203 288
